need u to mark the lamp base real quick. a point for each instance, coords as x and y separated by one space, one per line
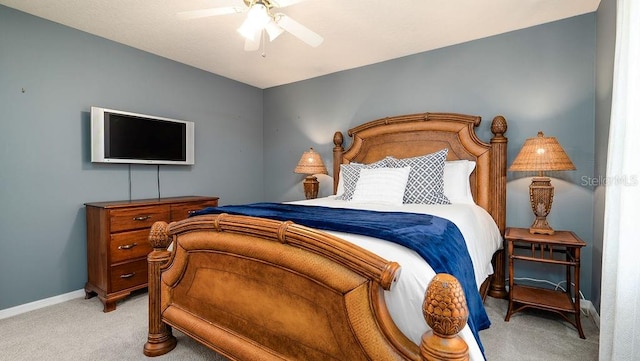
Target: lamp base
541 226
311 187
541 197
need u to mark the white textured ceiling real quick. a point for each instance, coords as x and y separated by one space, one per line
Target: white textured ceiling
356 32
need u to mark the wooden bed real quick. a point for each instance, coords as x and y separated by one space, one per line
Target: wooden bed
259 289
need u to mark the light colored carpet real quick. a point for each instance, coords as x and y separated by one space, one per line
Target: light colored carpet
533 335
78 330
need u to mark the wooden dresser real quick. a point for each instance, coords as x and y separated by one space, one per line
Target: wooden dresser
118 245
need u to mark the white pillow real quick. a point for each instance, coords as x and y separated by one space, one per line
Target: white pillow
381 185
349 174
456 180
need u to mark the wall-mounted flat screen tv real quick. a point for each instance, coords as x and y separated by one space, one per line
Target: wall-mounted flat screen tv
124 137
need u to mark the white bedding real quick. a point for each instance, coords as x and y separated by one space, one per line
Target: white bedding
405 299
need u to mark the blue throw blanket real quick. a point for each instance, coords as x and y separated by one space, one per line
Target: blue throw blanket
436 239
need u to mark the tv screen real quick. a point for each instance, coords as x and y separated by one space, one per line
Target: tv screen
124 137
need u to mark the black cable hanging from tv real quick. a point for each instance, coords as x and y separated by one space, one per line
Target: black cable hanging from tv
158 176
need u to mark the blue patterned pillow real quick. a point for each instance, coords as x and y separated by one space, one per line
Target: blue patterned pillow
426 179
349 174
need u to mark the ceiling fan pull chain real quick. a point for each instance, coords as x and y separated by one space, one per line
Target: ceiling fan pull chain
264 45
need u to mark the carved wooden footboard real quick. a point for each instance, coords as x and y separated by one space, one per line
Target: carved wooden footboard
258 289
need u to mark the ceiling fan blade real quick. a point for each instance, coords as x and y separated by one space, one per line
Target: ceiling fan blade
253 44
273 30
298 30
196 14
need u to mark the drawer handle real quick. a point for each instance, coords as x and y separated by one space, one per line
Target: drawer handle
128 275
141 218
127 246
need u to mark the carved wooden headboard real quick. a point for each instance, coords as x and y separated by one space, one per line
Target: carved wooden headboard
419 134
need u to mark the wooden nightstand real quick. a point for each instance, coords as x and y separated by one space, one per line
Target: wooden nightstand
546 249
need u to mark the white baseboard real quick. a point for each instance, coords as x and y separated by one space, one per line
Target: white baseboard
13 311
590 309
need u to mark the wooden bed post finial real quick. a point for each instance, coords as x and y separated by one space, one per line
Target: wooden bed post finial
499 126
445 310
159 236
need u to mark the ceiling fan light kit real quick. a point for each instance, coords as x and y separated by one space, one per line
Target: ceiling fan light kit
257 19
260 19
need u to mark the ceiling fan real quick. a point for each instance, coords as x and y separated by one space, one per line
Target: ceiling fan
260 19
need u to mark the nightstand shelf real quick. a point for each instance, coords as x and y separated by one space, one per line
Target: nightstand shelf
561 248
556 300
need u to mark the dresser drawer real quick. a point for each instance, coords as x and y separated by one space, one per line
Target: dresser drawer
129 275
138 217
183 211
129 245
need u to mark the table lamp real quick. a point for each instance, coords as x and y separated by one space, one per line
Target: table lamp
541 154
311 163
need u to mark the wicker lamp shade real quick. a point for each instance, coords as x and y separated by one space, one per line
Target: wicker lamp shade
311 163
541 154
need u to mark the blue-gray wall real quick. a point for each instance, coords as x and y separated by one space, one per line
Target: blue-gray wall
45 171
540 78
